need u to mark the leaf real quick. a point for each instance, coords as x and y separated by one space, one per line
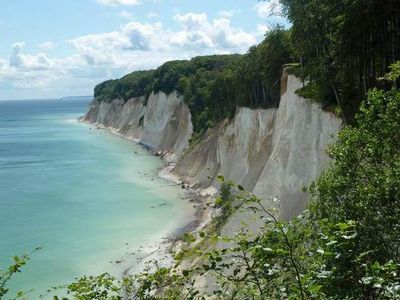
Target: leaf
343 226
221 177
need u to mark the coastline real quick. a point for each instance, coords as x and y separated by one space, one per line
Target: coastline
196 221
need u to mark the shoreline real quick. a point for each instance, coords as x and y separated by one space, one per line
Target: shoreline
162 251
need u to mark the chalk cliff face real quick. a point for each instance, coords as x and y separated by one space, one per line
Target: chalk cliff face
271 152
237 149
268 151
163 122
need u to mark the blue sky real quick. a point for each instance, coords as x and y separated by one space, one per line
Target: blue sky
55 48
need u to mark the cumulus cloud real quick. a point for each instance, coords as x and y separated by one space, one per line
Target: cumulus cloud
125 15
24 70
227 13
198 31
25 61
152 15
144 36
119 2
3 68
133 46
46 46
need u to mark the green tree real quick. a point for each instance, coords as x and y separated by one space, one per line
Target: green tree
363 185
344 46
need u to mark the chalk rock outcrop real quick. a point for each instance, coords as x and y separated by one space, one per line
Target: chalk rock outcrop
272 151
162 122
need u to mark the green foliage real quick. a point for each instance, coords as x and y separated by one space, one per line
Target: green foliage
365 176
224 202
343 46
164 283
6 276
262 69
363 184
135 84
188 238
305 258
394 73
102 287
168 75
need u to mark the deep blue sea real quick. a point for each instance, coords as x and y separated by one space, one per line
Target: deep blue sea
88 198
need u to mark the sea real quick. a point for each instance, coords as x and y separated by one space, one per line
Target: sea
91 200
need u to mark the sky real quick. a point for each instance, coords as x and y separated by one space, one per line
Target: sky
57 48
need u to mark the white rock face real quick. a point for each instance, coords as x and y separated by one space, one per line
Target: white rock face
163 123
274 152
302 133
236 149
118 115
271 152
167 124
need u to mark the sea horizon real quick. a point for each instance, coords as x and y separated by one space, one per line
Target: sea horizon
48 98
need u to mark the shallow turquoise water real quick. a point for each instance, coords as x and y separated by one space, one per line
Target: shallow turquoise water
85 196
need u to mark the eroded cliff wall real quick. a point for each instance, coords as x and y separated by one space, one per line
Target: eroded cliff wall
162 122
268 151
273 152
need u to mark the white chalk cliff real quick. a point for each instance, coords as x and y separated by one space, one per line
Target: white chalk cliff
273 151
162 123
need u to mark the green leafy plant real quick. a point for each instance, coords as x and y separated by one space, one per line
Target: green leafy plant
7 274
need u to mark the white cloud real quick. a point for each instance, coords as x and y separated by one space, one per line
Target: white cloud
46 46
152 15
25 71
119 2
25 61
227 13
133 46
126 15
3 68
98 48
218 33
144 36
197 33
269 8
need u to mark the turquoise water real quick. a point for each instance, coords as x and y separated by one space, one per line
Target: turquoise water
88 198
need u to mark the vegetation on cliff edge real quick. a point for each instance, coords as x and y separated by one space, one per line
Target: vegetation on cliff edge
212 86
